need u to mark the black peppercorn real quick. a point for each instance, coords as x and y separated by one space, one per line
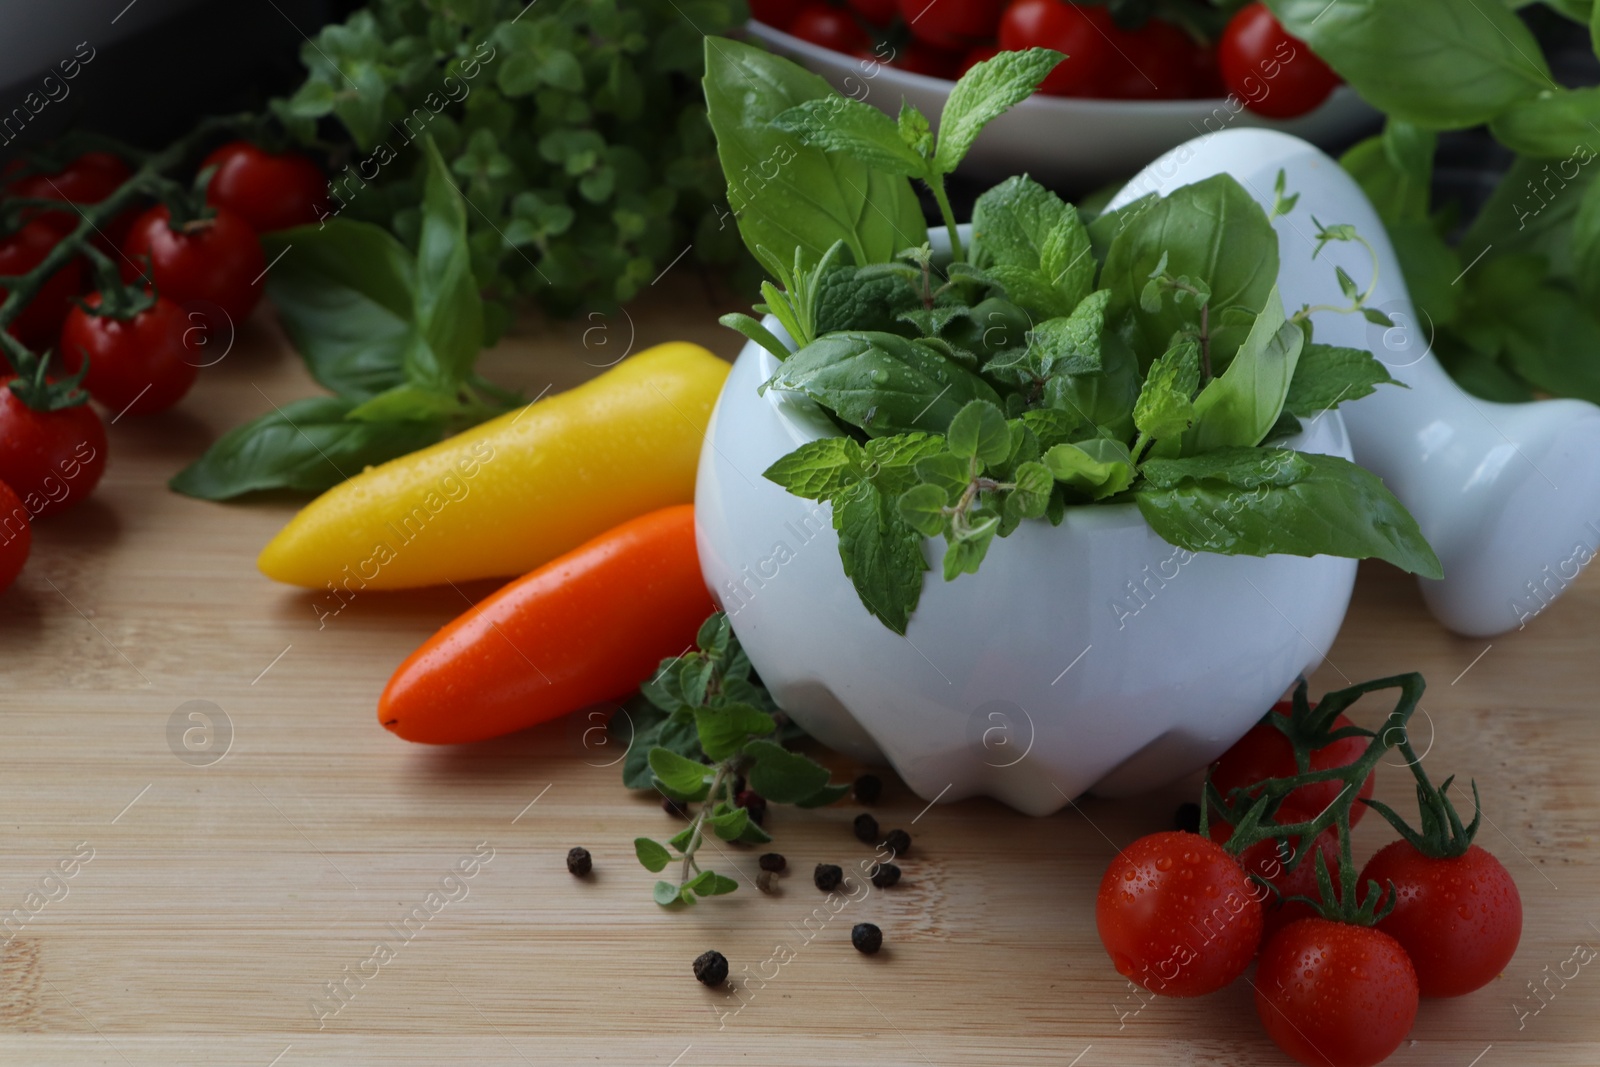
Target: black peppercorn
868 788
1187 817
886 875
828 876
579 862
899 842
867 829
675 807
765 881
866 937
711 968
755 804
772 861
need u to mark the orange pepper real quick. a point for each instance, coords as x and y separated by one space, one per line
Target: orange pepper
586 627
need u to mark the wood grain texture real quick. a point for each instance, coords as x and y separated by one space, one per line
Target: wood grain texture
221 900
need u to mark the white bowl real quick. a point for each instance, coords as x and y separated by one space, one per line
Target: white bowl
1063 140
1092 655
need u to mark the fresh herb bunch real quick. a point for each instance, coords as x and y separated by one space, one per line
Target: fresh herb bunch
1513 306
1144 358
703 724
395 333
574 128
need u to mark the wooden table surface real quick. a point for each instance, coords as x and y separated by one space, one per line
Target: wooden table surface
224 896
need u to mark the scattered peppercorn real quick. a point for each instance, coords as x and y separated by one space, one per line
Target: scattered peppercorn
867 829
1187 817
711 968
754 803
772 861
886 875
579 861
828 876
675 807
764 881
866 937
898 841
868 788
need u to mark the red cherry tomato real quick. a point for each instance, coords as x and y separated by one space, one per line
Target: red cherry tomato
1178 915
976 56
136 367
1269 859
270 192
1154 62
953 25
209 262
1335 995
88 179
876 12
52 459
919 58
1205 78
1265 753
776 13
1082 34
16 536
831 28
1459 919
1276 75
40 322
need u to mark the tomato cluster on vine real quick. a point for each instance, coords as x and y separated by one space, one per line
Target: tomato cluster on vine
122 301
1342 959
1197 57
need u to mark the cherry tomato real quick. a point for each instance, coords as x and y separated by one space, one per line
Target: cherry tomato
1335 995
1178 915
831 28
1458 918
1082 34
953 25
1276 75
1154 62
40 321
1205 78
920 58
976 56
875 12
1269 859
270 192
776 13
16 536
52 459
138 366
214 261
1265 753
88 179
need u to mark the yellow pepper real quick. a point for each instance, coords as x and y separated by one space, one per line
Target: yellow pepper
515 492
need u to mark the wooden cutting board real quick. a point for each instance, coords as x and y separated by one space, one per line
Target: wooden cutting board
212 904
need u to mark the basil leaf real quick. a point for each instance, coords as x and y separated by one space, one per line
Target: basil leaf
1549 126
1240 407
781 776
1395 170
1586 245
343 292
308 446
1543 332
862 132
1212 231
820 469
1102 399
882 556
1445 64
1326 376
881 382
449 311
1517 220
984 93
406 401
785 194
1329 506
1165 406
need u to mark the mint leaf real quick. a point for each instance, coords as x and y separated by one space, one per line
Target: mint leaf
881 553
1165 406
1071 345
1326 376
676 736
677 773
819 470
1330 507
979 431
858 130
982 94
725 728
652 854
1034 244
1241 406
781 776
870 298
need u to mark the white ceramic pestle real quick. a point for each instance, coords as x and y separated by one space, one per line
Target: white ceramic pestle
1507 494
